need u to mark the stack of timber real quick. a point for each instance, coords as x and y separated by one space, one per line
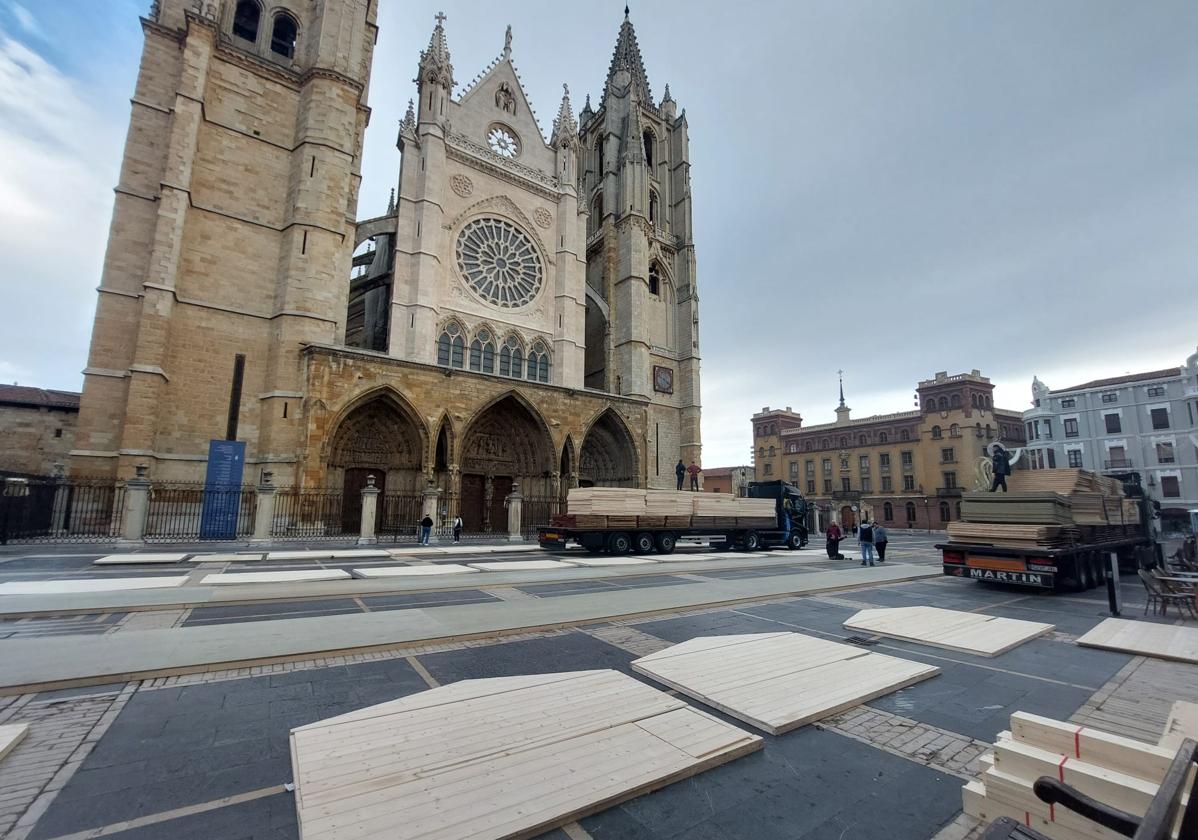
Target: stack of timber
1017 508
1016 536
620 507
1120 772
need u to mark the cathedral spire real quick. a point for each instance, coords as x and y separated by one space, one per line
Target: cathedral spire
435 66
627 59
391 203
840 376
565 129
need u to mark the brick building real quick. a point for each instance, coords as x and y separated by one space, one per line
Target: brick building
37 429
734 480
906 469
525 312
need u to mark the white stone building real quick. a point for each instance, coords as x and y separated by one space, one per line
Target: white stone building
1142 422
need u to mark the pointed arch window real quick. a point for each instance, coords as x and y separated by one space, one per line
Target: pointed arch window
246 19
655 279
482 352
451 346
596 221
511 358
538 363
283 35
653 204
649 141
599 155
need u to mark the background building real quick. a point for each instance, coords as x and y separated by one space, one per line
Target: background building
525 313
1143 422
38 429
907 469
734 480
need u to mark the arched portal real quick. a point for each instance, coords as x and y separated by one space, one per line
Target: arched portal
567 468
506 443
608 454
379 438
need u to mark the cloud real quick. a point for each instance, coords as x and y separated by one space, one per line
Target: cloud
26 20
56 176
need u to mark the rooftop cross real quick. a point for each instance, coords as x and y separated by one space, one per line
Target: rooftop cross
440 16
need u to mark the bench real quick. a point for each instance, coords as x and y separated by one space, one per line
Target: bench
1156 824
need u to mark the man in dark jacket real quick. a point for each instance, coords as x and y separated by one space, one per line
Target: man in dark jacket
426 529
680 471
1000 460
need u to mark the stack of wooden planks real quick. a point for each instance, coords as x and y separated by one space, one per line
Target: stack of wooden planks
1117 771
619 507
1016 536
499 758
1022 508
606 501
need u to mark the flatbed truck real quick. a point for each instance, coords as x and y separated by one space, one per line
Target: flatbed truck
645 535
1077 567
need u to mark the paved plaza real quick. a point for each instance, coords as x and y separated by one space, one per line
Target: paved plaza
205 754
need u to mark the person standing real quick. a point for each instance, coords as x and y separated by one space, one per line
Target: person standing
834 536
1001 462
880 540
865 538
457 530
426 529
680 471
693 469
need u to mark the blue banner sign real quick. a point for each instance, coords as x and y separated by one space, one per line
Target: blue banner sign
222 490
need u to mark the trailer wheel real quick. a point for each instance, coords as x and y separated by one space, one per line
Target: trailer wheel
794 542
642 543
751 541
619 543
665 543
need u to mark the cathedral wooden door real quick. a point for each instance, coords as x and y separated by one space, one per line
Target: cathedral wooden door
500 488
351 500
474 489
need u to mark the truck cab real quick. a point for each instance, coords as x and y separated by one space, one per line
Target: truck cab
790 512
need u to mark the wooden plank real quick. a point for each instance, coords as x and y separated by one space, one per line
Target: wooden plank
779 681
1018 793
1136 758
973 633
507 757
1182 724
65 587
308 575
1163 641
139 559
11 735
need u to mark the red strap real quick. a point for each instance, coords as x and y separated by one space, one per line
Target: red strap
1052 812
1077 741
1061 767
1027 819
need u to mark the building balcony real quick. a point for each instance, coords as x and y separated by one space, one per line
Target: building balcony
949 491
1117 464
846 495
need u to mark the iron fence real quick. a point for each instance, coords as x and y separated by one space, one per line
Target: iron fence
60 510
536 513
314 514
186 512
399 516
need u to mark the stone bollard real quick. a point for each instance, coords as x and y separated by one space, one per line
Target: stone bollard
370 512
431 509
515 507
264 512
137 508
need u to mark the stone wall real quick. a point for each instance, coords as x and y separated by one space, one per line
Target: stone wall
35 439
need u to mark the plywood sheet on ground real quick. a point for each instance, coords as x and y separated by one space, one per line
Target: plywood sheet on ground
499 758
317 554
10 736
360 553
520 565
601 560
276 577
1182 724
1163 641
414 571
67 587
227 558
138 559
974 633
779 681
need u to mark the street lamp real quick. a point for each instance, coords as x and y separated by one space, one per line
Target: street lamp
926 515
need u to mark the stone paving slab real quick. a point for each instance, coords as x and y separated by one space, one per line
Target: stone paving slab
49 663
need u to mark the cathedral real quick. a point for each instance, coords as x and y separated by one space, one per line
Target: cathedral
525 313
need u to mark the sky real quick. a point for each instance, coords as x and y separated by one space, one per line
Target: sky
885 187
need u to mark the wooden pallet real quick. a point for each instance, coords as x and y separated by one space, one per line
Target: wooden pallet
974 633
1163 641
509 757
779 681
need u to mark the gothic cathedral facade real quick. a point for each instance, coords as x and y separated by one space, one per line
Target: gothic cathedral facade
525 313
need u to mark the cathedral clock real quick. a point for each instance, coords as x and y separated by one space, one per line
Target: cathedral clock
663 379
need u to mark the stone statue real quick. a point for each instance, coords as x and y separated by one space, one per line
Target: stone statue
505 99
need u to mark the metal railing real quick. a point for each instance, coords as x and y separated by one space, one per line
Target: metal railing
1117 464
949 491
399 516
314 514
60 510
187 512
536 513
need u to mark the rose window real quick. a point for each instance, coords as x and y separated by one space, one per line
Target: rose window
499 262
503 142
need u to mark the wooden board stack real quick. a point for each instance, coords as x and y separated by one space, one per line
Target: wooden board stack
1022 508
1117 771
606 501
779 681
499 758
1016 536
620 507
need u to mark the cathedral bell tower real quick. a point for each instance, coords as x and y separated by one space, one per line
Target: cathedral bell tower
642 300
